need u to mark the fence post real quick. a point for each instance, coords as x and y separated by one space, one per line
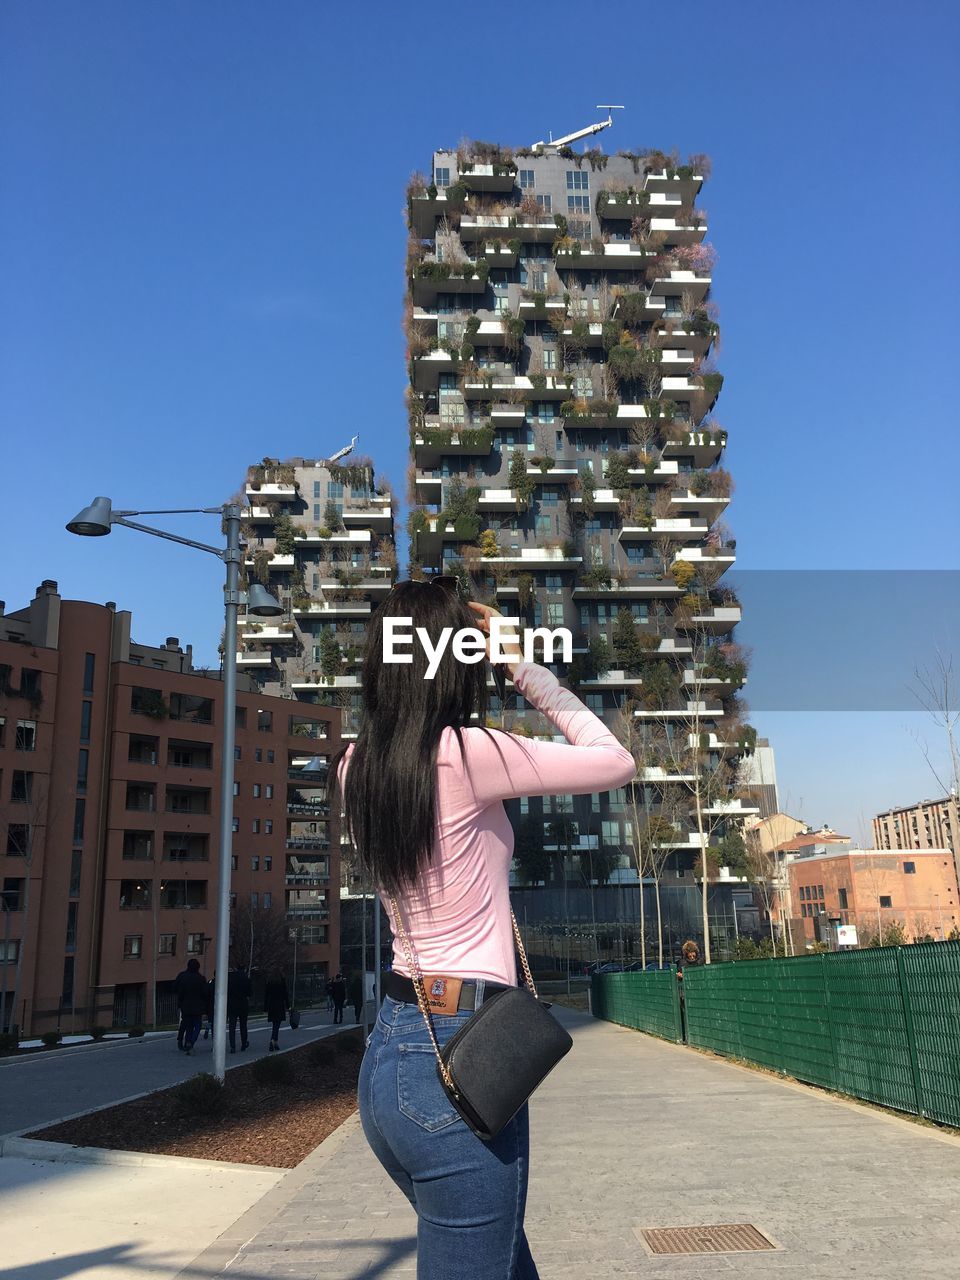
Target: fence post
680 1034
908 1024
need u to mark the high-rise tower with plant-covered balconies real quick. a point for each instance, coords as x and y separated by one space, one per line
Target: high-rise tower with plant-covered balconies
567 463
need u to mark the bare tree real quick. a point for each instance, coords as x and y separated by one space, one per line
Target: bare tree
260 938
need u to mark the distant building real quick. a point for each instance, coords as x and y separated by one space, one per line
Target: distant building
768 833
930 824
760 778
110 758
873 888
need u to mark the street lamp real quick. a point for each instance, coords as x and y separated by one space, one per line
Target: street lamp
96 521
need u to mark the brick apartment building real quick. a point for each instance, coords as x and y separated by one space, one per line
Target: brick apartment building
110 756
930 824
873 889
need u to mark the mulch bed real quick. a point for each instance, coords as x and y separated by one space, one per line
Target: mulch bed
275 1124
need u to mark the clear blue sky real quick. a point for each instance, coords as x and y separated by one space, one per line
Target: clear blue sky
201 250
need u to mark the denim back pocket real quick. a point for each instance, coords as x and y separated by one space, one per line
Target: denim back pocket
420 1094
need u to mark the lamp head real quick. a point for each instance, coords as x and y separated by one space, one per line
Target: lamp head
261 603
93 521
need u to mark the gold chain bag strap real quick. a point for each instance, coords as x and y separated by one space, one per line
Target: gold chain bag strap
494 1062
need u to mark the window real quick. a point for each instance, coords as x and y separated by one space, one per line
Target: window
555 613
70 940
233 901
76 865
268 791
441 176
820 892
843 899
578 180
265 721
803 909
138 845
316 488
886 900
545 203
258 755
256 826
83 768
236 825
26 739
238 753
268 862
133 946
142 749
134 895
909 868
86 711
525 179
267 901
187 706
241 718
256 791
271 757
89 667
255 863
22 787
167 945
9 951
79 820
17 839
194 944
12 894
254 901
268 826
578 204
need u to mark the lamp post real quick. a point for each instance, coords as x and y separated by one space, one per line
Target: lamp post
97 520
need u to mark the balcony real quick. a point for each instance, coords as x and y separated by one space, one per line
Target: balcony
677 361
677 231
325 682
712 507
277 563
426 209
563 471
482 226
724 555
428 368
718 620
700 393
613 679
699 711
267 635
615 255
535 387
254 660
678 283
377 514
678 528
501 500
429 489
662 183
427 286
317 842
497 254
305 809
489 177
704 447
334 609
264 494
697 341
508 414
528 308
537 558
352 537
433 443
628 587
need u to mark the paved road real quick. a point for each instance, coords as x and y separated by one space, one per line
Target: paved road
630 1132
38 1089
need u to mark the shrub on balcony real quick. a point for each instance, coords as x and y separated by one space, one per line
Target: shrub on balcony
488 543
545 463
569 549
711 383
632 309
597 575
618 472
522 484
683 573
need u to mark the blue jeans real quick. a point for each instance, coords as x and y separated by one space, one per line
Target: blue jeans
469 1195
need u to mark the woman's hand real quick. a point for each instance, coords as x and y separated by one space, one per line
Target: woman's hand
508 645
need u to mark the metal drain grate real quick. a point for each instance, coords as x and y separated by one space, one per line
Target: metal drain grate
738 1237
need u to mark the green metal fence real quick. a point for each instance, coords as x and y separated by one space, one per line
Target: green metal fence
651 1004
881 1024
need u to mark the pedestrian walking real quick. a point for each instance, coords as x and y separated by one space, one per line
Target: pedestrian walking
423 789
238 1006
689 959
181 1021
338 990
329 993
276 1005
192 996
209 1007
356 995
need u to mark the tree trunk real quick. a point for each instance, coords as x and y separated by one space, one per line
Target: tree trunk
656 884
704 880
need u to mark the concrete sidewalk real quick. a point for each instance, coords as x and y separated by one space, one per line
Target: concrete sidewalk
631 1132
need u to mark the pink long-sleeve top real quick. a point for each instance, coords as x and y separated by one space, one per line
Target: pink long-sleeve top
458 916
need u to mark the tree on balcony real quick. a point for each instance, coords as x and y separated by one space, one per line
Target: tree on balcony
530 857
331 656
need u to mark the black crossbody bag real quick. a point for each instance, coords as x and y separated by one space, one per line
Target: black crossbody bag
492 1065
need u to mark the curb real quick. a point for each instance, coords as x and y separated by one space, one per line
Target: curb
19 1134
62 1153
216 1258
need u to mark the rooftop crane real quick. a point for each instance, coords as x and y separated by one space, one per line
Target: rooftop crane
581 133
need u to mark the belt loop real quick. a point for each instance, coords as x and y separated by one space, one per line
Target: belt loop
478 998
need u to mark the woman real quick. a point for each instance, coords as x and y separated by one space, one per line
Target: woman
423 793
276 1003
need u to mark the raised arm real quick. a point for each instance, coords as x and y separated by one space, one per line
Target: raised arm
501 765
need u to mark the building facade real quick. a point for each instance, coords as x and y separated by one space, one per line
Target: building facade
931 824
884 895
566 463
110 758
321 538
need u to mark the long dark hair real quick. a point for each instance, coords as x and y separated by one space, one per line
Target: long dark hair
389 799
